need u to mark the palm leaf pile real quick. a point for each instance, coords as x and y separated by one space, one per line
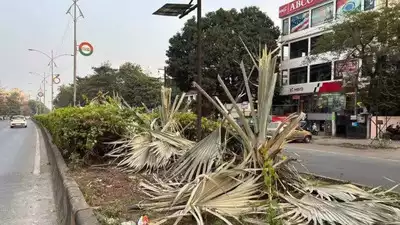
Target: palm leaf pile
257 185
155 143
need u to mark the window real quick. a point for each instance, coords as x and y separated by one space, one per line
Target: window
369 4
285 77
299 49
285 52
298 75
344 6
299 22
321 72
285 27
322 14
314 41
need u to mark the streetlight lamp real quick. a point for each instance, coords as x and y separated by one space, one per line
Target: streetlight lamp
52 64
182 10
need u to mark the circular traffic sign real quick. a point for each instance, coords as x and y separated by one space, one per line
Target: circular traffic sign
85 48
56 80
40 94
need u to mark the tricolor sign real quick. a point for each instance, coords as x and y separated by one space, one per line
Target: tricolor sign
297 6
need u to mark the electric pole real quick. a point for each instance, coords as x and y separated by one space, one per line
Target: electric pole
52 80
44 89
74 7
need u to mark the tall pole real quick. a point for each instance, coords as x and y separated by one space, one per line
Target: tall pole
199 77
75 50
51 80
44 89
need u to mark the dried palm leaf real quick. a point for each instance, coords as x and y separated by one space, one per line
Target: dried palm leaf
310 209
228 195
200 159
150 151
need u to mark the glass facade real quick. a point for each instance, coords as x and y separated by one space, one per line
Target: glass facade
285 26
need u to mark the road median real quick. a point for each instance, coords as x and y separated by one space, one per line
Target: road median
72 208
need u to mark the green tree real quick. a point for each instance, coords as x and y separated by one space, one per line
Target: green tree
129 81
373 38
37 107
64 97
222 48
14 104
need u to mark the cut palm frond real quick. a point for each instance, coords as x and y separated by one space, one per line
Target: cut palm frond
228 195
310 209
343 192
200 159
150 151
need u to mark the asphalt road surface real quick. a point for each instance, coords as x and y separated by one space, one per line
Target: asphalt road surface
372 168
26 196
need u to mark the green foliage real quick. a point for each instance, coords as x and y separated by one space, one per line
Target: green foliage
13 104
37 107
129 81
371 37
188 121
222 48
83 133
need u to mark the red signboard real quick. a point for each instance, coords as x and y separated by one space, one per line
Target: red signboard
297 6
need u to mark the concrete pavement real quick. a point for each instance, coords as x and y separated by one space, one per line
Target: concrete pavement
26 196
360 166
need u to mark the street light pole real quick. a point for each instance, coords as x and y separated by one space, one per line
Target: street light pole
44 89
75 52
52 80
199 75
181 10
52 64
75 7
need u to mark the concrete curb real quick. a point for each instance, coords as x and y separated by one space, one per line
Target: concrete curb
334 180
72 208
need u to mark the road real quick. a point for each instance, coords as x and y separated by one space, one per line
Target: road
366 167
26 196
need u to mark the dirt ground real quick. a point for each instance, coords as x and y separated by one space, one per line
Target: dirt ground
110 192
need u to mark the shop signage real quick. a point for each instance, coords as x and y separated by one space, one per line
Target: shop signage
318 88
297 6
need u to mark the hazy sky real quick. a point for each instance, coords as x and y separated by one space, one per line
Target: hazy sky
120 31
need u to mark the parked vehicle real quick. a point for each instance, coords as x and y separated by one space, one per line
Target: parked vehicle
299 134
392 132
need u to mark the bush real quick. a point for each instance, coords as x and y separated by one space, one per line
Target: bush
188 121
82 133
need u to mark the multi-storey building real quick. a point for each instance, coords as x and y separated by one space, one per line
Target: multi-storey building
315 86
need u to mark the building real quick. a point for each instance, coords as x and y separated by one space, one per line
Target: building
315 86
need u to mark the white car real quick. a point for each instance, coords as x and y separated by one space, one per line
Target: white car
18 121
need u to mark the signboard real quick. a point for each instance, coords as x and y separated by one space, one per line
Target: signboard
346 68
56 79
296 97
321 87
85 48
299 22
297 6
344 6
322 14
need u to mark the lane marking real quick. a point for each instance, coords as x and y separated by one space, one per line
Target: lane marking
343 154
36 168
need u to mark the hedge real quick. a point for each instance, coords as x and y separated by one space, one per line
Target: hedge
82 133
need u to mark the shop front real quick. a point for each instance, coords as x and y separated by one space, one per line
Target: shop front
319 101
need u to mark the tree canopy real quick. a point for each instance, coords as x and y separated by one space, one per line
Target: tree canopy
373 38
128 81
222 48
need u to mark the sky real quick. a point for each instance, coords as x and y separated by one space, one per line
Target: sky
120 31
